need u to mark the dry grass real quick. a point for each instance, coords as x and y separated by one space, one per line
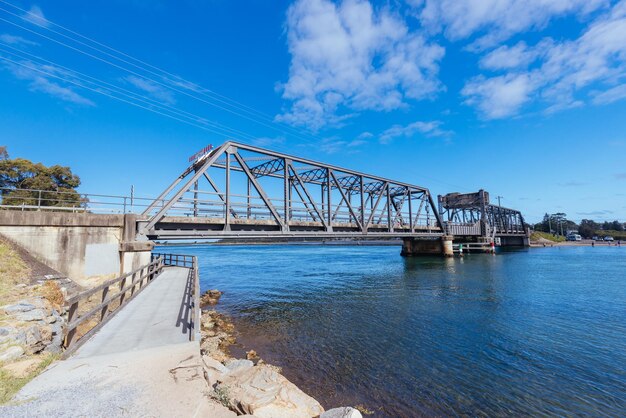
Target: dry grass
538 235
13 271
10 384
52 291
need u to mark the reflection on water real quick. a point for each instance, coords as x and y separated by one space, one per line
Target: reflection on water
521 333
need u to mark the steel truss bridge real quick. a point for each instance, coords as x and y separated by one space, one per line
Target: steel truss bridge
241 191
471 215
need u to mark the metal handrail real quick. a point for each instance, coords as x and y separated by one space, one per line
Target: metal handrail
58 200
190 262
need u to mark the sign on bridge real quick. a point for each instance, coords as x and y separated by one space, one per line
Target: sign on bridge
204 151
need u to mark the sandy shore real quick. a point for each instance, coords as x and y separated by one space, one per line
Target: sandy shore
583 243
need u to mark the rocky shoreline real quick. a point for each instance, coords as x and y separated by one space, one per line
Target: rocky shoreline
251 387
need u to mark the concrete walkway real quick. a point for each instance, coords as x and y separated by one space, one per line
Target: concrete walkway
140 364
158 316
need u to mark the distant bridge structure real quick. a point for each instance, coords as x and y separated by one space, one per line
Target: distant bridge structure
471 217
242 193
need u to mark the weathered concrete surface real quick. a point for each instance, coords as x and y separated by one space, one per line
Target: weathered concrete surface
515 241
79 245
140 363
166 381
417 246
158 316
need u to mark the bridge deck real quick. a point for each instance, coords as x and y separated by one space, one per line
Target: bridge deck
158 316
141 363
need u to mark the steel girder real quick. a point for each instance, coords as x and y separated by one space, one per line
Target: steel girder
366 204
500 220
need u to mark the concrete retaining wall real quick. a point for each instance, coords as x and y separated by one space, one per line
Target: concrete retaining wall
80 245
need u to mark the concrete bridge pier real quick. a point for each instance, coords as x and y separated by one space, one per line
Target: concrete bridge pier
425 246
79 245
515 241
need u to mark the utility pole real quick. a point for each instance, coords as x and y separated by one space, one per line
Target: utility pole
132 197
499 197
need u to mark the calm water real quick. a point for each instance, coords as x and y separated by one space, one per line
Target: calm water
538 332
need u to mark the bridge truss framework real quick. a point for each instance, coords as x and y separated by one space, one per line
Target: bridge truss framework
242 191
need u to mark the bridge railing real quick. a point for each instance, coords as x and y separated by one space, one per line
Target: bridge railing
192 295
87 313
69 201
465 229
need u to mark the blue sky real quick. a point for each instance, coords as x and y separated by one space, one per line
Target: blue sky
526 99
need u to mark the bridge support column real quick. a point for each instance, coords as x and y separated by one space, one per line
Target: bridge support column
133 253
514 241
425 246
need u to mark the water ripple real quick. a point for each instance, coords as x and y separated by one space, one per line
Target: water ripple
540 332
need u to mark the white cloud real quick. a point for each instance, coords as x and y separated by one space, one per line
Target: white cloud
348 57
611 95
36 17
496 20
429 129
155 90
555 75
16 40
42 78
516 56
498 97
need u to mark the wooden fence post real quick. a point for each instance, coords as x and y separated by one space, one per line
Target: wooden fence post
70 317
105 308
122 294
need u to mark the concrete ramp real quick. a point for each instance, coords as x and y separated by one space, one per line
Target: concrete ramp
140 364
160 315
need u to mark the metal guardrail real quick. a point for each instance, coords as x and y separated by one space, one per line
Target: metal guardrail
54 200
109 304
455 229
190 262
469 247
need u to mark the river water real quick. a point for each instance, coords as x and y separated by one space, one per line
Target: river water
535 332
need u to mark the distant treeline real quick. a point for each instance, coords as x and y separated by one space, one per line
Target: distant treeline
558 224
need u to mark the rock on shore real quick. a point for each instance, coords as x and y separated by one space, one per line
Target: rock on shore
261 391
253 387
210 297
33 326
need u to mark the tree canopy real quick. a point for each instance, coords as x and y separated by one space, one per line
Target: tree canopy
22 180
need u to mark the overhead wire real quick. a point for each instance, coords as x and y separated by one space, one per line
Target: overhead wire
49 74
121 90
146 67
226 98
254 119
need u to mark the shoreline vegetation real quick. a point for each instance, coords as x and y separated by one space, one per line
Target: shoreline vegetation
252 386
544 239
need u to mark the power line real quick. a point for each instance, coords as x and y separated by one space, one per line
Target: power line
49 74
128 93
131 72
169 86
132 58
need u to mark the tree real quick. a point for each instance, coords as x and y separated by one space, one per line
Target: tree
588 228
3 153
23 182
544 226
